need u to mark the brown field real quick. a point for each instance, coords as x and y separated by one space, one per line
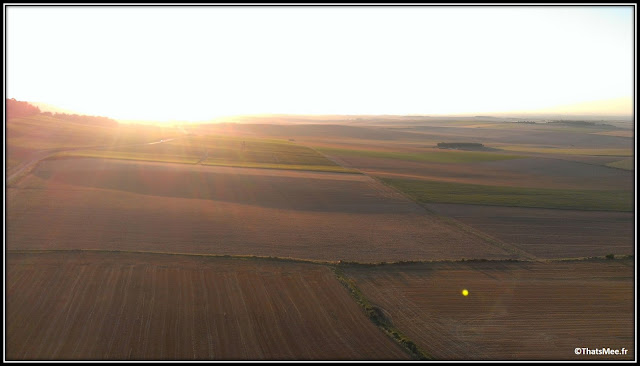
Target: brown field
125 205
529 172
514 311
133 306
548 233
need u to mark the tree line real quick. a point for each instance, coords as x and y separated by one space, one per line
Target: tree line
16 108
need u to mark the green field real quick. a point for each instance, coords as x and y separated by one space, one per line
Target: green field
443 192
449 156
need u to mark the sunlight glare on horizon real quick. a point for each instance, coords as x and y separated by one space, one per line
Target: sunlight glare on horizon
197 63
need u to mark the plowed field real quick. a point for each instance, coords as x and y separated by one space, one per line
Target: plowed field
118 306
514 311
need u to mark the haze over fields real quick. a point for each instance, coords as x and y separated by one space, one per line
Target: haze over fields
249 183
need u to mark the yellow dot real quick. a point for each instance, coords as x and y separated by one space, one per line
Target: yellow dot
465 292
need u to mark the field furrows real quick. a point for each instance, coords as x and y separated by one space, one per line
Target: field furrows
523 311
146 306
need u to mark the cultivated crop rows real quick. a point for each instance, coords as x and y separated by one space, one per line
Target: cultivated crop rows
144 306
515 311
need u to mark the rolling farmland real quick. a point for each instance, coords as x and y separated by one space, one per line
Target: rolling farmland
290 242
485 195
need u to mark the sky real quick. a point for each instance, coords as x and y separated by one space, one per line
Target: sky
168 63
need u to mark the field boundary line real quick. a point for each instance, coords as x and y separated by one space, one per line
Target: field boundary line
338 162
322 262
377 317
255 257
510 248
18 175
204 157
205 255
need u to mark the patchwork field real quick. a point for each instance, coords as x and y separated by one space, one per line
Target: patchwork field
262 241
513 311
572 183
124 306
111 204
550 233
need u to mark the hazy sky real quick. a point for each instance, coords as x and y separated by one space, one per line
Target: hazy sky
195 63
